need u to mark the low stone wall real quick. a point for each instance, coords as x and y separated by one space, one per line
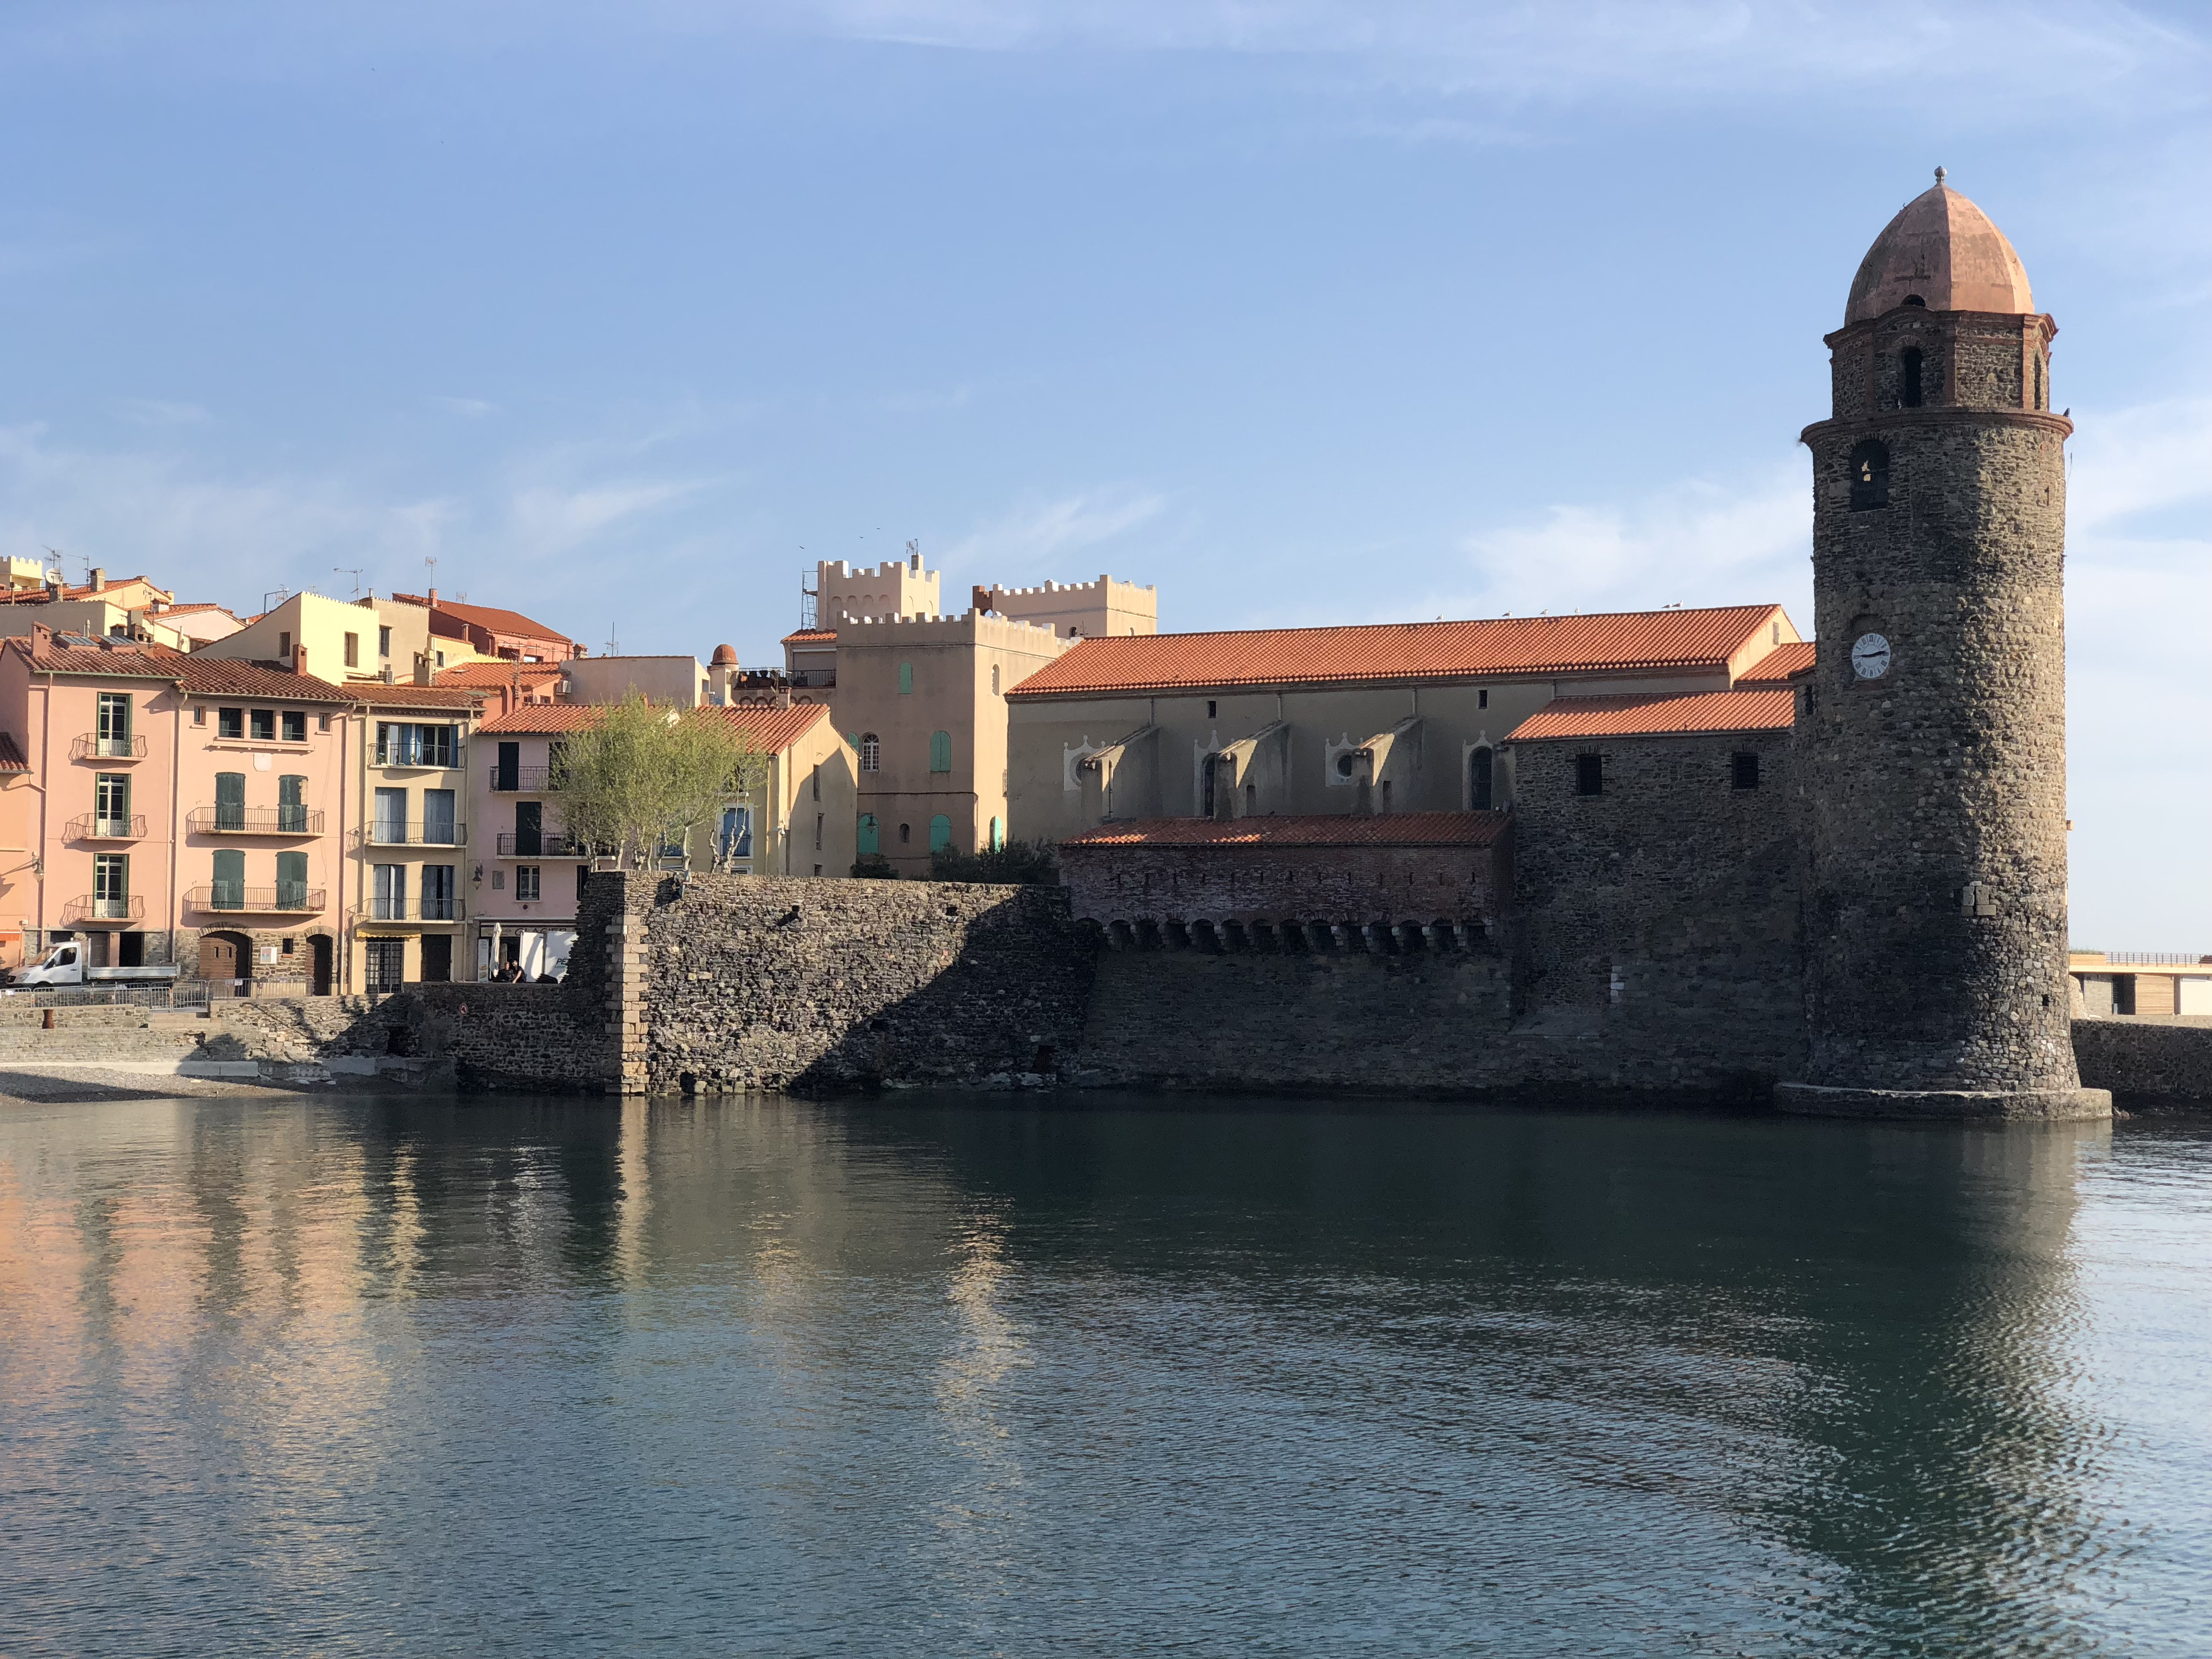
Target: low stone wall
770 982
2145 1062
114 1031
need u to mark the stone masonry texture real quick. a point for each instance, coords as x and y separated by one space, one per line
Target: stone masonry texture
1935 854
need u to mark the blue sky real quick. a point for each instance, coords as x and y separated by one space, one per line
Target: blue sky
1311 311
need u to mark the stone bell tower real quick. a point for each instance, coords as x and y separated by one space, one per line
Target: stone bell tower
1933 736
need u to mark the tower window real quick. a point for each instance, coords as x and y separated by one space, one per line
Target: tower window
1480 784
872 753
2037 404
1482 696
1869 470
1915 299
1743 770
1209 708
1589 775
1909 360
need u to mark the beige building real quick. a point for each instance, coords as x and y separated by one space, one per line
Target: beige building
407 899
345 640
1401 718
896 588
1085 610
923 705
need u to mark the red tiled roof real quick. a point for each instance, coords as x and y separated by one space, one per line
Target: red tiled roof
499 673
773 730
1335 830
485 616
539 718
1658 717
1394 652
1780 665
11 757
139 659
234 677
377 694
810 636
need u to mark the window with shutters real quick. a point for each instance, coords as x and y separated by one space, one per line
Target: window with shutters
295 726
291 881
940 751
113 731
292 806
265 725
110 886
941 833
230 722
906 679
869 839
230 800
111 804
230 873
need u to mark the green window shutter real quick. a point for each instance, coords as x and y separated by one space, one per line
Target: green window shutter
292 881
998 834
941 833
940 751
230 800
292 805
906 679
871 842
229 879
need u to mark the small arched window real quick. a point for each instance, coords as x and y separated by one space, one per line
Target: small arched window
1869 470
940 834
906 834
994 679
1479 780
1915 299
1206 787
2037 404
872 752
940 751
1909 388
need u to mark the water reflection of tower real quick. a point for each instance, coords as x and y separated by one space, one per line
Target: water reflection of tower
1943 1462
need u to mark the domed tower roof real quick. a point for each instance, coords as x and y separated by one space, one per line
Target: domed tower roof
725 656
1941 250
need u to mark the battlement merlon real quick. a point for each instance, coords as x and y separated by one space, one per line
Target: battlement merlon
968 628
1078 610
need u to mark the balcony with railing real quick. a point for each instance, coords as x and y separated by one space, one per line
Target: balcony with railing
91 826
93 908
545 844
92 746
392 832
220 820
413 909
522 780
285 898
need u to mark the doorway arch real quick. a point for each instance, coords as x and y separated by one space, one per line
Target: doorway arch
226 962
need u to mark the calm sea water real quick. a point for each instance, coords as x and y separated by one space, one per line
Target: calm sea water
955 1376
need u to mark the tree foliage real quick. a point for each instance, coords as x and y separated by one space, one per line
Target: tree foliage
1018 863
645 775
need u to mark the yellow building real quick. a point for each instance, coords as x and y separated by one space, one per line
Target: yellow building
407 897
343 641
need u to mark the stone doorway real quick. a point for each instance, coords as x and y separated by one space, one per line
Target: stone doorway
226 963
318 964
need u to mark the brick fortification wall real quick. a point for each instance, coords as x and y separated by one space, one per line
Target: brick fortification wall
766 982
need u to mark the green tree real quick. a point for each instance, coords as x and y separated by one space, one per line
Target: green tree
1018 863
644 776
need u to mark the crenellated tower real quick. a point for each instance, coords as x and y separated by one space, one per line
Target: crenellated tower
1933 734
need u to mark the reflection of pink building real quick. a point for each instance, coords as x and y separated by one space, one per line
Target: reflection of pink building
181 809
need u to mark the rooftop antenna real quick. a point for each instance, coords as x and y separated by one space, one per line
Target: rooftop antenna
349 570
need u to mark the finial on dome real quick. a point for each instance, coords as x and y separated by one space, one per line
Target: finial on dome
1939 175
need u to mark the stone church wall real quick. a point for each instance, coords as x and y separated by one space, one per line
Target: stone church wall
1656 924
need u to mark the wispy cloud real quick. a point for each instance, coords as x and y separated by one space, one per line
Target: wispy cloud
473 408
1037 538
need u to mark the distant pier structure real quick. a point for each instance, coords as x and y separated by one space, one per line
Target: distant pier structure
1932 732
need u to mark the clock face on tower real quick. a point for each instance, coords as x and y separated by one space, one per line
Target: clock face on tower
1870 656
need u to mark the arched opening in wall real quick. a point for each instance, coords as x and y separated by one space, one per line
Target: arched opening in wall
318 964
906 834
872 752
1205 785
1869 470
2037 404
994 679
1909 391
869 836
1479 780
940 834
1915 299
226 962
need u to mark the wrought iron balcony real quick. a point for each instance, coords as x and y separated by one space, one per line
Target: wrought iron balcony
255 820
285 898
92 827
545 844
91 745
392 832
413 909
522 780
91 909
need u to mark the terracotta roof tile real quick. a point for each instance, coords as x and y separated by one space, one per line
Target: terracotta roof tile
540 717
810 636
485 616
1695 712
1394 652
233 676
774 729
377 694
1335 830
499 673
140 661
1780 665
11 756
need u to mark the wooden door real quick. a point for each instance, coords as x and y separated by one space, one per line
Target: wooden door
218 957
318 961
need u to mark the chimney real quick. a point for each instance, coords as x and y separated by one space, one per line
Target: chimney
99 579
423 675
300 660
434 596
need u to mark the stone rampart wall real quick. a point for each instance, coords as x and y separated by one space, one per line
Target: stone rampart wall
2145 1062
768 982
